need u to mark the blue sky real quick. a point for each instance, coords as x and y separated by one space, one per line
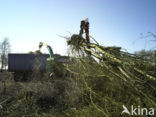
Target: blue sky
112 22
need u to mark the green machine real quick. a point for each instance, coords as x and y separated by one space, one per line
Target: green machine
50 60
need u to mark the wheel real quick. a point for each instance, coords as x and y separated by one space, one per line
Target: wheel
18 76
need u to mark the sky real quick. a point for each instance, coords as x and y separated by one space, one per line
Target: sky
112 23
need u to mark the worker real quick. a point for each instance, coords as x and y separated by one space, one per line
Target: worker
85 26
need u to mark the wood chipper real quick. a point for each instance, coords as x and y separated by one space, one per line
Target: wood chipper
50 59
22 65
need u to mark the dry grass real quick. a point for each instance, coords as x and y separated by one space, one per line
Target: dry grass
35 98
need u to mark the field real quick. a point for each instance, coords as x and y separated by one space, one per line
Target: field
97 83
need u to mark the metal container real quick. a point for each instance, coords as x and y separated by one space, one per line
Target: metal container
26 62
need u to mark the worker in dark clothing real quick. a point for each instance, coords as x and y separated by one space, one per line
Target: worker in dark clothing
85 26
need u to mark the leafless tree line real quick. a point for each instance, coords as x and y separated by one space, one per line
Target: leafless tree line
4 50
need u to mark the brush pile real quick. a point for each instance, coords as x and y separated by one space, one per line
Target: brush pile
113 78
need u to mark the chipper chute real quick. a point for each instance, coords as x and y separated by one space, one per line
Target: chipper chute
49 60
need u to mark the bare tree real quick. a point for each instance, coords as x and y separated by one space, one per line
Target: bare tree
4 50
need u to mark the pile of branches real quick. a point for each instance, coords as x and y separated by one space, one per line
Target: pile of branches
111 77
